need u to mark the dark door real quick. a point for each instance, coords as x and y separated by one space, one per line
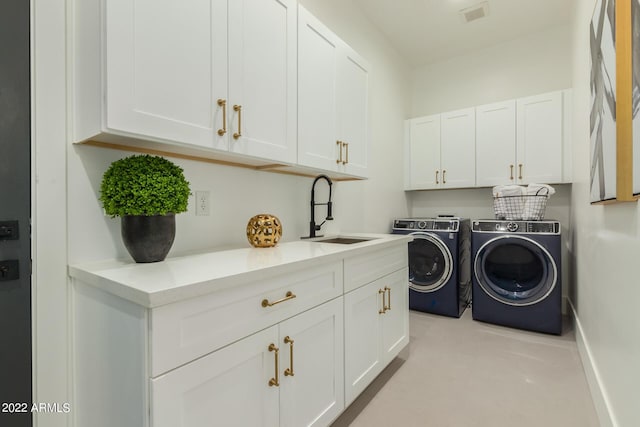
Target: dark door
430 263
15 212
515 270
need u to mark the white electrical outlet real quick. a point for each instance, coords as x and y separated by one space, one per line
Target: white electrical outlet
202 203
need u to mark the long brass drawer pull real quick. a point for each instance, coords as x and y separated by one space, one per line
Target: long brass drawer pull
276 380
289 371
289 295
388 298
223 103
238 109
444 176
511 177
339 160
346 146
437 172
384 305
520 166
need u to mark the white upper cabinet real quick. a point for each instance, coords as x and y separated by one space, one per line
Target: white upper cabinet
210 74
263 78
457 149
495 144
333 125
521 141
441 151
539 138
423 152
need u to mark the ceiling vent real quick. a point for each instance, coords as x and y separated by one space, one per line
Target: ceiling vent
474 13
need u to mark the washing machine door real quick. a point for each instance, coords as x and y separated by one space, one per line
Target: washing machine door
515 270
430 262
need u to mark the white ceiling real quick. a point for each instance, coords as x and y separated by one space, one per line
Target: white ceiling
427 31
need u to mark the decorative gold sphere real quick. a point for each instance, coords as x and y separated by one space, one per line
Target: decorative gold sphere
264 231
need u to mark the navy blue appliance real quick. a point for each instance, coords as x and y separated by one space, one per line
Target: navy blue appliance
516 274
439 264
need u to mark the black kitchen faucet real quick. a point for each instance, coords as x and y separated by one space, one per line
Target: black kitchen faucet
312 225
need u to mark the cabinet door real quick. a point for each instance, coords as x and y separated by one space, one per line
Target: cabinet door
539 138
363 328
314 394
457 148
395 322
166 66
353 111
496 144
262 78
423 155
229 387
318 50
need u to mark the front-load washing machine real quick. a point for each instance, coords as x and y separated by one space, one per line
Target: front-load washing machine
516 274
439 264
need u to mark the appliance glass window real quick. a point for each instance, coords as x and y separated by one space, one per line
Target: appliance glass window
429 264
516 271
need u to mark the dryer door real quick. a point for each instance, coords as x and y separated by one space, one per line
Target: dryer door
430 262
515 270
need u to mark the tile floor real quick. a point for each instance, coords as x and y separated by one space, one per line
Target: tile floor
463 373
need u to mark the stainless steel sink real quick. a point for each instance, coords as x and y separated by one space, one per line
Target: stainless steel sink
342 240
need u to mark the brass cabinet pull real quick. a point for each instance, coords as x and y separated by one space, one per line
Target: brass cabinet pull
520 166
437 172
339 158
289 371
289 295
384 305
444 176
511 177
276 380
223 103
346 146
388 298
238 109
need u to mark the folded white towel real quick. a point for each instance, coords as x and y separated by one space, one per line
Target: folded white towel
540 190
508 190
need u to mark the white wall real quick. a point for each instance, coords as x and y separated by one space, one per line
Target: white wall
529 65
606 251
237 194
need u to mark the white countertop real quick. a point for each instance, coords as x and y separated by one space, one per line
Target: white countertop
178 278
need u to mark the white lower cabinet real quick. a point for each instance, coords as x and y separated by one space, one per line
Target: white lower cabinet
290 374
290 349
376 329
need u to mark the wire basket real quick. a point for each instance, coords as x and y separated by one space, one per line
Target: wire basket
525 207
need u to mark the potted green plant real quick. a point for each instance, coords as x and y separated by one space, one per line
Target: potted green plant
146 192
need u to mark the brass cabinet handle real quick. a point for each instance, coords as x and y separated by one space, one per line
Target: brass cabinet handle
346 145
289 295
388 298
437 172
339 160
289 371
520 167
238 109
223 103
444 176
511 177
384 305
276 380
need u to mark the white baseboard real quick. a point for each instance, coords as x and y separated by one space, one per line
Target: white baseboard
598 393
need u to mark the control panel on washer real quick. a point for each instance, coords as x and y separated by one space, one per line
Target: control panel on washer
427 224
500 226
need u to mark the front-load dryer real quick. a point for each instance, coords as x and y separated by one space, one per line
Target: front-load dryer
516 274
439 264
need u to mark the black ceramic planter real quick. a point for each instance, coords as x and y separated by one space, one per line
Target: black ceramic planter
148 238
